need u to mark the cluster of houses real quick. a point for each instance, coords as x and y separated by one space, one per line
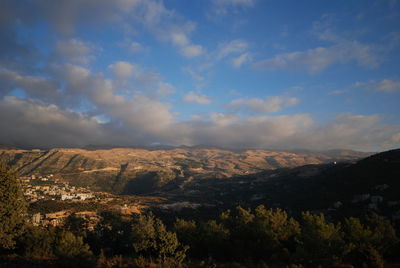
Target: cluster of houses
46 187
49 188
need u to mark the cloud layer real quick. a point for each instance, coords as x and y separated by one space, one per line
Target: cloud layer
317 59
199 99
32 124
386 85
268 105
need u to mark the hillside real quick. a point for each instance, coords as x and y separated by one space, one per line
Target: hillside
135 171
343 189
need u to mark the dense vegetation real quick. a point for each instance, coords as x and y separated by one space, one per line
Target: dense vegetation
12 207
239 237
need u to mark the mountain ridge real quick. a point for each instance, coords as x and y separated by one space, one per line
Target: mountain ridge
119 170
318 187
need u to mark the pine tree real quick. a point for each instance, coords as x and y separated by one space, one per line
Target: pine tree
12 207
70 246
151 239
321 242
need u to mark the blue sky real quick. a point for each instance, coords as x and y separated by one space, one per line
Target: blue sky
230 73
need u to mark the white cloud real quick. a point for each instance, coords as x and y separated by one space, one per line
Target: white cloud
196 117
234 52
297 131
358 132
139 113
124 70
232 47
230 130
268 105
340 51
194 73
135 47
192 51
385 85
239 61
77 81
140 120
168 26
132 47
65 15
75 74
223 120
151 84
74 50
34 124
152 13
179 38
222 7
162 89
141 110
143 83
317 59
388 85
197 98
34 86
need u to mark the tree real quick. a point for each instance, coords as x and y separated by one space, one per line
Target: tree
206 239
151 239
384 235
71 250
75 224
12 207
186 231
260 235
276 234
321 242
38 242
67 245
112 234
370 242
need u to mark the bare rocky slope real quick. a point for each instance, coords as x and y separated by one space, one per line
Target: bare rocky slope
135 171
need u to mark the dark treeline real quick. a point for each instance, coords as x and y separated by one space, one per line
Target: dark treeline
239 237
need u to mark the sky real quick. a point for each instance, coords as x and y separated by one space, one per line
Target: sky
262 74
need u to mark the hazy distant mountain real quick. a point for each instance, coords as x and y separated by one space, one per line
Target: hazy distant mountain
129 170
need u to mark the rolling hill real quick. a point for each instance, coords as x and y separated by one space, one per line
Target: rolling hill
344 189
141 171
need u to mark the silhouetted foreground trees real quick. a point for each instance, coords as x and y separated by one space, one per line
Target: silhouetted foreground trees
270 236
12 207
238 238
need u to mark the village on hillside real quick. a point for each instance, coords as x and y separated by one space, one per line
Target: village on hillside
48 188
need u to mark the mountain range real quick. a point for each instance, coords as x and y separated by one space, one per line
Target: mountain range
144 171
